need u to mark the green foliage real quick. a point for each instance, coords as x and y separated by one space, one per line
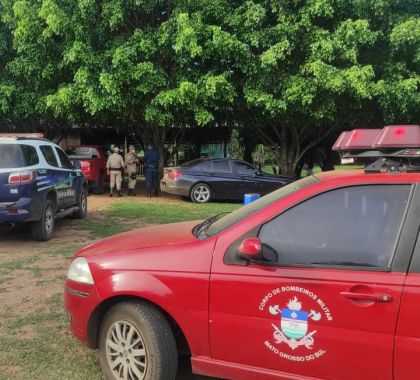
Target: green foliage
288 70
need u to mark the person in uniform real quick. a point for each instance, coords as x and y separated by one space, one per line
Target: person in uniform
131 162
151 161
115 168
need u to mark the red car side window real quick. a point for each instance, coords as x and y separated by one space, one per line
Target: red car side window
353 226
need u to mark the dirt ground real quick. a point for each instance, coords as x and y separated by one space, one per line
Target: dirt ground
33 272
19 252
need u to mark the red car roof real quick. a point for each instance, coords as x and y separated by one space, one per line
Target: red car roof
358 175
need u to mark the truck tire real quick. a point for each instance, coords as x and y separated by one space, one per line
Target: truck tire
136 342
43 229
82 210
100 187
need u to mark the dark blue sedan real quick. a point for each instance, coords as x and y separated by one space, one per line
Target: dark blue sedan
206 179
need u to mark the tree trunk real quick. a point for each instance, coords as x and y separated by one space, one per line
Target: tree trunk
160 145
286 168
248 150
286 158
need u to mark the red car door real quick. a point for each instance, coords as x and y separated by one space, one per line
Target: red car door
407 345
327 306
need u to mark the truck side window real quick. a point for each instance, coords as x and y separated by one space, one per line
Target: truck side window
30 156
65 162
49 155
353 226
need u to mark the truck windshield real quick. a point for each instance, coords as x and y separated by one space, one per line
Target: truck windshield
234 217
82 151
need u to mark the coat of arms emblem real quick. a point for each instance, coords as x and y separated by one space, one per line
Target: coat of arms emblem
294 324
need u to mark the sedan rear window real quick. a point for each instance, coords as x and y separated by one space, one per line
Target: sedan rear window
198 164
221 166
17 156
205 166
192 163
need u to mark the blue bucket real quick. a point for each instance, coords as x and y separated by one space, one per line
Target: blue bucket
248 198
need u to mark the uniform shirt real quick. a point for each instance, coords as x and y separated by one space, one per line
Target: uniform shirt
131 159
151 157
115 161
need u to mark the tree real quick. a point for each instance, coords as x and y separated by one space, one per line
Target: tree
144 65
287 73
30 68
322 65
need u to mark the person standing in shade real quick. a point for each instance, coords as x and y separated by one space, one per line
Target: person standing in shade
151 161
115 168
131 162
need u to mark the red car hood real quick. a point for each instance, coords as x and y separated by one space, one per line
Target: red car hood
162 235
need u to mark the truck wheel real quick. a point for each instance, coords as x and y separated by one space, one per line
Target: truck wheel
43 229
136 342
201 193
100 187
82 211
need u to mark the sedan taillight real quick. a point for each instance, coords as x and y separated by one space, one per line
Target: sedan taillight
24 176
174 174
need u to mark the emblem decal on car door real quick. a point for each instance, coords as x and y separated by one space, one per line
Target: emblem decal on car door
294 325
295 328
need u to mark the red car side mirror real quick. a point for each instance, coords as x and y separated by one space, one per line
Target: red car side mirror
250 248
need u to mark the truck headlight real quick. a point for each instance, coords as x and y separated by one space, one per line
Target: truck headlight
79 271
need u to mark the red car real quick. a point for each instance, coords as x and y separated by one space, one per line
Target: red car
317 280
93 165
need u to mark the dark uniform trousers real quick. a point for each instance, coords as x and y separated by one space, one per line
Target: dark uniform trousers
151 177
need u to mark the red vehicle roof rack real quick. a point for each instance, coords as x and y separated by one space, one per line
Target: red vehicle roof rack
396 147
398 136
358 139
342 139
390 138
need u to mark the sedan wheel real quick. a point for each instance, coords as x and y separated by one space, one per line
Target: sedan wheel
125 351
137 343
201 193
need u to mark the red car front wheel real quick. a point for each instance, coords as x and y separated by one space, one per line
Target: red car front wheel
136 343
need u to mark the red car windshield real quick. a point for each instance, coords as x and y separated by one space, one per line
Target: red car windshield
222 223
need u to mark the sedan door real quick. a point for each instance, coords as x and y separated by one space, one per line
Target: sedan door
246 175
327 305
223 181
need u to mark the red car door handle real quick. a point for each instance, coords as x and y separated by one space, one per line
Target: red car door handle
378 297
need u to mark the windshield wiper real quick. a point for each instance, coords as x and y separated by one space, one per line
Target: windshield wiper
202 227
